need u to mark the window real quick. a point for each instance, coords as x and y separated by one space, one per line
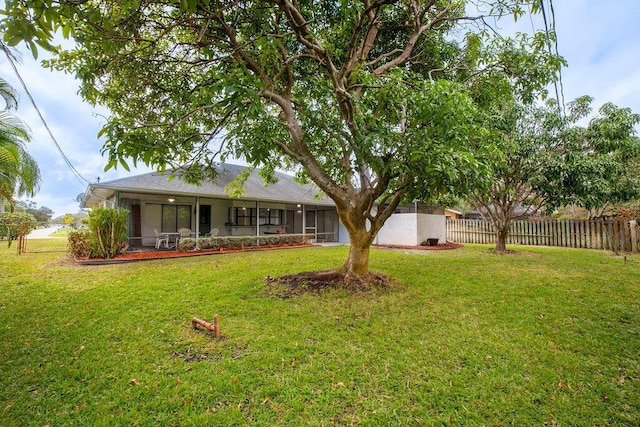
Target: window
271 216
175 217
242 216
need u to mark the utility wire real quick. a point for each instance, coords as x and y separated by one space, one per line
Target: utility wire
553 26
83 181
547 28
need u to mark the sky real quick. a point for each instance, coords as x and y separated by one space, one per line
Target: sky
601 43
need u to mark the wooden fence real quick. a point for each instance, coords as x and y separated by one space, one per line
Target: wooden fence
615 235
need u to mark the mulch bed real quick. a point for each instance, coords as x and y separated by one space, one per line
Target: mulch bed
145 255
316 282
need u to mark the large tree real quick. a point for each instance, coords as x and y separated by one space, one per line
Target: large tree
547 159
369 99
42 214
19 172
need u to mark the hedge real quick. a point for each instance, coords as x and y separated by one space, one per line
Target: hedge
237 242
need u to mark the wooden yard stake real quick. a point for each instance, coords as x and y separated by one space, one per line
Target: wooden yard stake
215 326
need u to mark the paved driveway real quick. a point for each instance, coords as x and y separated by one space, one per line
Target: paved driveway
44 233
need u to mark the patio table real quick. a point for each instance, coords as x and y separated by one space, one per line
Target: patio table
175 236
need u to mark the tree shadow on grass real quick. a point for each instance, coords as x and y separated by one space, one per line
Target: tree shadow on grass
509 252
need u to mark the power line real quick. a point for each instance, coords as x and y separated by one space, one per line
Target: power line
555 42
83 181
559 89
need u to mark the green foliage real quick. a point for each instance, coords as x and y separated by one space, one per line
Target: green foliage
17 224
42 214
609 162
74 220
79 243
588 166
547 160
235 242
374 102
19 172
108 232
549 336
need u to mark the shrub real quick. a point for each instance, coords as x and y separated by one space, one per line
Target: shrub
236 242
79 243
107 232
14 224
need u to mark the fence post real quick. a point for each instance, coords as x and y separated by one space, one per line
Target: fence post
634 235
610 238
587 231
600 234
627 236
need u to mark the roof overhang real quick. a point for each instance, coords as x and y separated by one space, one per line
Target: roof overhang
156 184
94 196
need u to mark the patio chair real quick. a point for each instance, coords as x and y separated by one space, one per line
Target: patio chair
213 233
183 233
160 239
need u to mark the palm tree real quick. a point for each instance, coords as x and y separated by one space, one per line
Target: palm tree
19 172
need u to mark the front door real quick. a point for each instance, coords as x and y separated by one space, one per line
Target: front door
205 219
135 230
310 223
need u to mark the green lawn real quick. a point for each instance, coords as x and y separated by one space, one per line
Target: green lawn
62 232
549 337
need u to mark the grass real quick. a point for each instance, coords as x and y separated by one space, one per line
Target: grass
62 232
549 337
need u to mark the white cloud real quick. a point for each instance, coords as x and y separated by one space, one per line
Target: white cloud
75 125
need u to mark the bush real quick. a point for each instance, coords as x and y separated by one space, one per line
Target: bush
236 242
204 242
79 243
106 237
17 224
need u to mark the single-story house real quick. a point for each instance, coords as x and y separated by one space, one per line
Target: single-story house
157 203
452 214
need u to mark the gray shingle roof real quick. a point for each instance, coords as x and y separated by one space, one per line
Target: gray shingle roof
285 190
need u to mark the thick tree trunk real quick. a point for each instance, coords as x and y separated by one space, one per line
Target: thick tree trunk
362 227
358 262
362 231
501 240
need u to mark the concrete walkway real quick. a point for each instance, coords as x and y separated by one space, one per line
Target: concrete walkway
44 233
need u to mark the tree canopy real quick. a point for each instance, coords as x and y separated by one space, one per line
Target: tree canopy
16 224
19 172
42 214
375 101
547 160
